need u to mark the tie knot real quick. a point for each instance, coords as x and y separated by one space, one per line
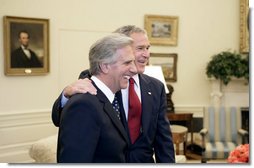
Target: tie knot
115 102
131 81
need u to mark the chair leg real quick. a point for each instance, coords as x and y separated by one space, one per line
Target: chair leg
177 148
203 160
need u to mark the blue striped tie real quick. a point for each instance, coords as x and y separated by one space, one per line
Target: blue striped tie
116 107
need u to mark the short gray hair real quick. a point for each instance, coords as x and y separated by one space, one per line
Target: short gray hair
129 29
104 50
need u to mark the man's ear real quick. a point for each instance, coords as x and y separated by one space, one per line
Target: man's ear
104 68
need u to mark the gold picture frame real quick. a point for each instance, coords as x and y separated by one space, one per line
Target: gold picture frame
244 27
162 30
168 63
31 60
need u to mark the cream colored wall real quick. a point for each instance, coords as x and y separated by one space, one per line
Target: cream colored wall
206 27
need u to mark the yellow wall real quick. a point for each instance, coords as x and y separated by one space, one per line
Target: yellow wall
206 27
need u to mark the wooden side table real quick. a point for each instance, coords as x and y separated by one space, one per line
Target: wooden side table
186 117
183 117
179 134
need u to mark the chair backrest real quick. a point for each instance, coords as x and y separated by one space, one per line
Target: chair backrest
222 124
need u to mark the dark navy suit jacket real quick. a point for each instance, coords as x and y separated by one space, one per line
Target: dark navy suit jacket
90 131
155 135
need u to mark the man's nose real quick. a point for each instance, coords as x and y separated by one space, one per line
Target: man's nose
146 53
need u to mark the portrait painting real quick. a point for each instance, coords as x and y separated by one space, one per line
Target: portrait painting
26 44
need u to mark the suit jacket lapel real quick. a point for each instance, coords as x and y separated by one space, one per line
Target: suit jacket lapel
122 115
147 100
108 108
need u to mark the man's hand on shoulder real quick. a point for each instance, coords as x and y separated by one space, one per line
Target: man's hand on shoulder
80 86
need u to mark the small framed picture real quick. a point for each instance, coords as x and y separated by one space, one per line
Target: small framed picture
168 62
26 45
162 30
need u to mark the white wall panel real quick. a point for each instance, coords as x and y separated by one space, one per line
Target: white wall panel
19 130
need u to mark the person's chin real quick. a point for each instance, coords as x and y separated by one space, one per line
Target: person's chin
141 69
124 85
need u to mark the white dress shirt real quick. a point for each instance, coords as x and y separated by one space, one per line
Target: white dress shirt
26 51
104 88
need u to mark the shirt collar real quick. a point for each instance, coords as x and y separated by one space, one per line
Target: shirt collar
136 79
104 88
23 47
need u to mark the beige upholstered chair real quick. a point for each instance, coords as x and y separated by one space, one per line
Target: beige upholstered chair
221 132
44 150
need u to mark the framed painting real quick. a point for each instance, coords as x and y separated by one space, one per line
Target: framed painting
162 30
244 26
168 62
26 45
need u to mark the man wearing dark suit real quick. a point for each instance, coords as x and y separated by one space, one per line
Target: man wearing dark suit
90 129
23 57
155 135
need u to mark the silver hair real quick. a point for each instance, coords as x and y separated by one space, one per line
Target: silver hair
129 29
104 50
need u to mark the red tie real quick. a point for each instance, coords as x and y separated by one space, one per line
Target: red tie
134 114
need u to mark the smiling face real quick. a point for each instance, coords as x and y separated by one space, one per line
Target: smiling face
141 47
121 71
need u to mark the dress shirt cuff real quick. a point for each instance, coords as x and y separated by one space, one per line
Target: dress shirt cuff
63 100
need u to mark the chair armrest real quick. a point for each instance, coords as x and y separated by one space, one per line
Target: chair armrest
243 132
245 135
203 132
44 150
